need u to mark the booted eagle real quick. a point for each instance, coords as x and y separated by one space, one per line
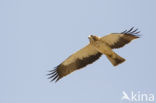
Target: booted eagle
93 51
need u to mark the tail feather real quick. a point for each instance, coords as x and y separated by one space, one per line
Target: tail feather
115 59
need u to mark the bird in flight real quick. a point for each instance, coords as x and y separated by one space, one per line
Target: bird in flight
94 50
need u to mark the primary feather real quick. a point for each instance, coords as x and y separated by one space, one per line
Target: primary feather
78 60
93 51
118 40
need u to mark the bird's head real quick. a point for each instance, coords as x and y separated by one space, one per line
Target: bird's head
93 38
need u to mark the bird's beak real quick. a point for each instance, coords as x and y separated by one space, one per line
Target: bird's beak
89 36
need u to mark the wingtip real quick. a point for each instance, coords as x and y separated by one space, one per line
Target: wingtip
133 32
53 75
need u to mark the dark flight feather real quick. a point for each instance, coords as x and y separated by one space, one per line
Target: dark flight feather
128 36
63 70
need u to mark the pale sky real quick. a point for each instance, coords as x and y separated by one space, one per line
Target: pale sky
37 35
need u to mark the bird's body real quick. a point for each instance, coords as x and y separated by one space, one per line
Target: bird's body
105 49
93 51
102 47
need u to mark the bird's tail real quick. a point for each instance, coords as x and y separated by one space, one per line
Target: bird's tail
115 59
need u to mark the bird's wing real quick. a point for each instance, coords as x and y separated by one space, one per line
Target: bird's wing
81 58
118 40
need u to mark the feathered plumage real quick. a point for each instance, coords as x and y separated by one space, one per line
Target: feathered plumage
93 51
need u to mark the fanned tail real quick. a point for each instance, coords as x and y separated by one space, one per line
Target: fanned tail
115 59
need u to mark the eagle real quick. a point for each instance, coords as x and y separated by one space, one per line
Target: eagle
94 50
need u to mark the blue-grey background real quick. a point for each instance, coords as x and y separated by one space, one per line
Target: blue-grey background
37 35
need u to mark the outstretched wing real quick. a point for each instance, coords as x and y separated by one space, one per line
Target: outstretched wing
81 58
118 40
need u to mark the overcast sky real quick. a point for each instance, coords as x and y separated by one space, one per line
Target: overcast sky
37 35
